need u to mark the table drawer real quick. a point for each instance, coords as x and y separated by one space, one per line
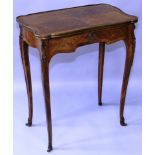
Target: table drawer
70 43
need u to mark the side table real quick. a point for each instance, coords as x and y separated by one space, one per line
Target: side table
62 31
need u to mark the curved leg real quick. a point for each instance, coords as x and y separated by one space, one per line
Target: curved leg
46 90
130 49
27 73
100 71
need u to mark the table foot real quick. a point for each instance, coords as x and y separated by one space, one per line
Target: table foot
49 148
29 123
100 103
122 122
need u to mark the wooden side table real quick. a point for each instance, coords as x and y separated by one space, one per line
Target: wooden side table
62 31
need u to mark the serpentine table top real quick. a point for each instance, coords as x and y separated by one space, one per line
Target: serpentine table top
73 20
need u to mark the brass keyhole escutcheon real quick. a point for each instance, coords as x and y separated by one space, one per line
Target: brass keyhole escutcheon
91 37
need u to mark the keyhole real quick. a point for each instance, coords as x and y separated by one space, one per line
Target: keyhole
91 37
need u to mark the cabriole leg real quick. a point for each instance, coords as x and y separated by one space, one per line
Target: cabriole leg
130 49
27 73
100 71
46 90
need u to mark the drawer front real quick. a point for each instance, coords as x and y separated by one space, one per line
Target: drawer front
70 43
